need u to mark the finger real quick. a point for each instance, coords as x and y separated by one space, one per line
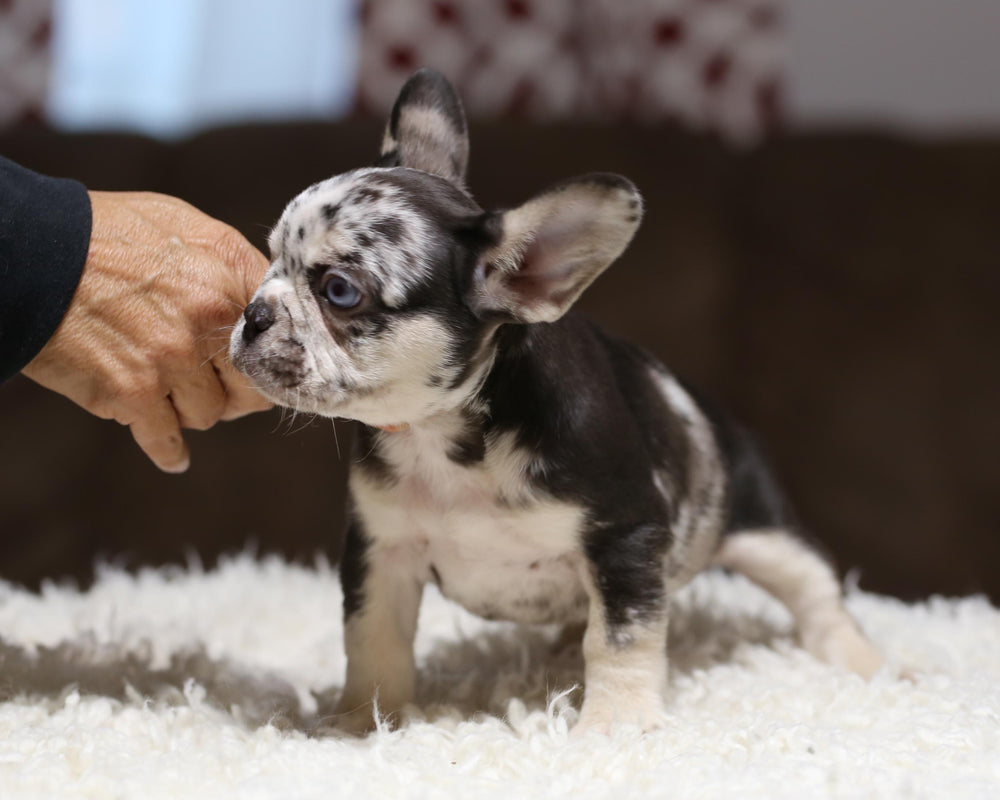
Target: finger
245 260
158 432
241 397
199 398
197 228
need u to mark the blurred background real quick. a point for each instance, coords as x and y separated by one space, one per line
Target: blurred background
821 249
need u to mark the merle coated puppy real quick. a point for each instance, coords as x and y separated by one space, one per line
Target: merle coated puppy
534 467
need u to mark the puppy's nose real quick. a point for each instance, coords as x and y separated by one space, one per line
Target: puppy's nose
259 317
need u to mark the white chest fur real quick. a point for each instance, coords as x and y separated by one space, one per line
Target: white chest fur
479 531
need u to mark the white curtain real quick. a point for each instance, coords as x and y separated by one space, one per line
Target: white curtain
172 68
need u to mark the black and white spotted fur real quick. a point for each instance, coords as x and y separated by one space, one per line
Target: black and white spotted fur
532 466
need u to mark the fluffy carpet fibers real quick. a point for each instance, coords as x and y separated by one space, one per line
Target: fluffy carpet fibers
185 683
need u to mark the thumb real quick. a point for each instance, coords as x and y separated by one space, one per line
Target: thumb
242 397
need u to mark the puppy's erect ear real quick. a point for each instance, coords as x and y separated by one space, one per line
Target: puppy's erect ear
551 248
426 129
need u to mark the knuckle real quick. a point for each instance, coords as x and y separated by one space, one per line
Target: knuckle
230 244
137 394
233 248
103 408
123 393
243 406
201 407
101 401
203 419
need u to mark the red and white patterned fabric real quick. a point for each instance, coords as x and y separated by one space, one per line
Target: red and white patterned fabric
712 64
25 36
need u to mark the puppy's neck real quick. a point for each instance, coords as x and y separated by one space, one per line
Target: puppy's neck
467 412
505 363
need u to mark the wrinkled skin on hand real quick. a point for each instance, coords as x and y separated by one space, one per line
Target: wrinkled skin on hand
144 341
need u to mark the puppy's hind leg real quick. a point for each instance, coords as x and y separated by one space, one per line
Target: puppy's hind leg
791 571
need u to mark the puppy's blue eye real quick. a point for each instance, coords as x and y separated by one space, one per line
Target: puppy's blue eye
340 291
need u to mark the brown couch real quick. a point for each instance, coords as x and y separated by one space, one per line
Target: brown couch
838 292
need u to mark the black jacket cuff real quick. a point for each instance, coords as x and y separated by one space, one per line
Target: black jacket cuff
44 237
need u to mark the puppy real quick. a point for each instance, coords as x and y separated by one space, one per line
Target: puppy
534 467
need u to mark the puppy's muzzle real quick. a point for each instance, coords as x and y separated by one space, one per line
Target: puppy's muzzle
258 317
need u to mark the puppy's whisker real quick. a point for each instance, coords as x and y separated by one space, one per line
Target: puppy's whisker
247 383
221 349
372 450
295 411
281 419
223 332
236 305
306 424
336 439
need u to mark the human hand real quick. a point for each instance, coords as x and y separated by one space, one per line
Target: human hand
144 341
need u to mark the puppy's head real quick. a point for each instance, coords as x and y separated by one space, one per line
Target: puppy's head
387 284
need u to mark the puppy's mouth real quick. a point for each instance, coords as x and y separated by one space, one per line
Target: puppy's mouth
286 380
273 374
279 372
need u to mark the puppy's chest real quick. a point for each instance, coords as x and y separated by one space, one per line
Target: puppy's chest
477 528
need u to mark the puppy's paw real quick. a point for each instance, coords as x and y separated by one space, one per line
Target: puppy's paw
599 717
359 719
358 722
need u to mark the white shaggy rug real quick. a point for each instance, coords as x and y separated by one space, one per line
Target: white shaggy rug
189 684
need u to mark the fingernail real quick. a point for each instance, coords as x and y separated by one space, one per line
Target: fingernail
179 467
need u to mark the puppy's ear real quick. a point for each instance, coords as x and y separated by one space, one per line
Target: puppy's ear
551 248
426 129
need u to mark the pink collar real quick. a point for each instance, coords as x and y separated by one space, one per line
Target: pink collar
402 426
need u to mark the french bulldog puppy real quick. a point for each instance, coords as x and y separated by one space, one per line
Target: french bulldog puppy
531 465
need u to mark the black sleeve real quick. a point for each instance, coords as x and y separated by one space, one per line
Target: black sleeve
44 236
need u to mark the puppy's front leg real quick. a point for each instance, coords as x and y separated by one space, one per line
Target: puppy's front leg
625 644
382 591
